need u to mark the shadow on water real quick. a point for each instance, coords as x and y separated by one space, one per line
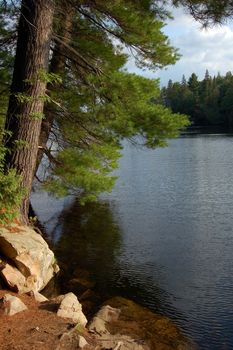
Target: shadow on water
91 240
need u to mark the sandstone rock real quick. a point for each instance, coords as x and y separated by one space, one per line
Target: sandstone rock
82 342
121 342
58 299
106 314
118 346
30 254
11 305
14 279
73 339
98 326
38 296
71 308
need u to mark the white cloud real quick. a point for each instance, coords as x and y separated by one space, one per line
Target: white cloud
201 49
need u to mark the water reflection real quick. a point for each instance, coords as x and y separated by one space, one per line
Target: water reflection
92 239
164 235
86 232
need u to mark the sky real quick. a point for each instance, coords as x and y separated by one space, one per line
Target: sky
200 49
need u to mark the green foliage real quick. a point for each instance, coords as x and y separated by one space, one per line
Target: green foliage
86 171
23 98
11 193
10 196
208 12
37 115
6 59
95 103
50 78
100 115
20 144
137 25
123 106
207 102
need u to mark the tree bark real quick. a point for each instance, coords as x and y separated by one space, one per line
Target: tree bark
57 66
28 89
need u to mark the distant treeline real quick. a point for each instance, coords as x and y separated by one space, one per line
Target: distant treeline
207 102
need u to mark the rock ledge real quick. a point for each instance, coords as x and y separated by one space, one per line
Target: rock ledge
26 263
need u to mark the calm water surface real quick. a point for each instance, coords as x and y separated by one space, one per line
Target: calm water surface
163 237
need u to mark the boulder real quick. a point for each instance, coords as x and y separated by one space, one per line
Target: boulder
82 342
11 305
38 296
73 339
109 314
98 326
28 251
71 308
14 279
121 342
106 314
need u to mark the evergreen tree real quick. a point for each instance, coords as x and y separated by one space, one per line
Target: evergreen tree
96 104
207 102
7 42
193 84
183 82
226 105
25 110
208 12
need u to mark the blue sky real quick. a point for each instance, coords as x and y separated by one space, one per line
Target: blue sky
201 49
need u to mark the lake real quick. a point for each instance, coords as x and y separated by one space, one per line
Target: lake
163 237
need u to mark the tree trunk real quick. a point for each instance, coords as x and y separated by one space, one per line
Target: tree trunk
57 66
28 90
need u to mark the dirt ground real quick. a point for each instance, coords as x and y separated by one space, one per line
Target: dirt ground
39 328
32 329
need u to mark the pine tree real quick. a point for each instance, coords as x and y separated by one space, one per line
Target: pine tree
97 104
183 81
102 91
193 84
208 12
24 115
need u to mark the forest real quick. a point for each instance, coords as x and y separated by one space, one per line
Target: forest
208 102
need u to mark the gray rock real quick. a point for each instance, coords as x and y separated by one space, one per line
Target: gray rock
71 308
11 305
30 254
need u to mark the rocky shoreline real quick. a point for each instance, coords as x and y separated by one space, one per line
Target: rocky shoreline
31 321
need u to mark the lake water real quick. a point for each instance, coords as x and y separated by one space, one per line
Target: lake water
163 237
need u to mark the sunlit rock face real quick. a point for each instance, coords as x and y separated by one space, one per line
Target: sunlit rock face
27 263
11 305
71 308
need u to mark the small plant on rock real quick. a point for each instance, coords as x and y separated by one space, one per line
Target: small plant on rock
11 193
